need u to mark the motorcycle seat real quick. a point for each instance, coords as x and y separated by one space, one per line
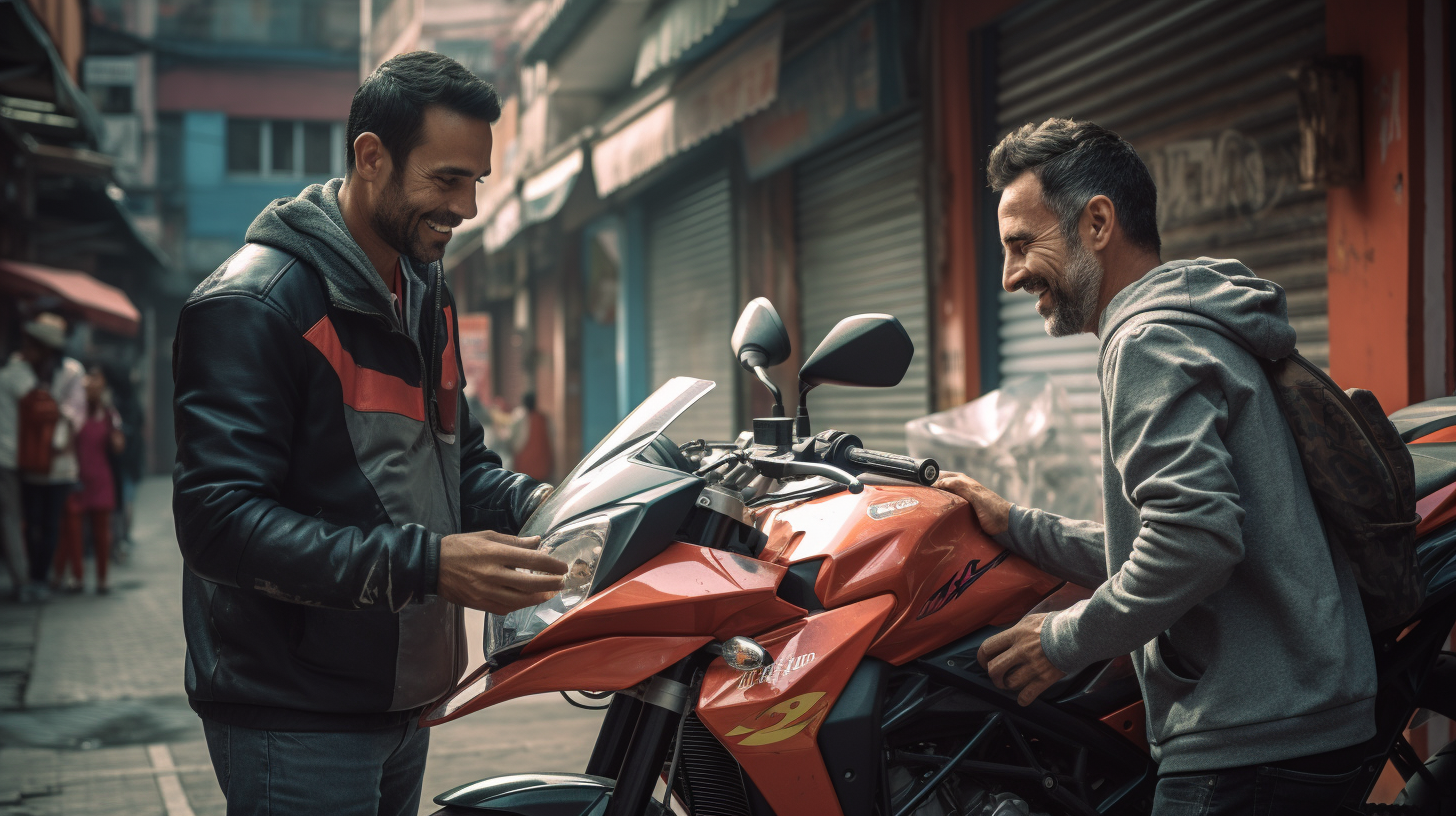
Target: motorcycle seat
1435 466
1423 418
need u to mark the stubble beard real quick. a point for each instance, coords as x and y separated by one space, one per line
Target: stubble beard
1074 301
398 224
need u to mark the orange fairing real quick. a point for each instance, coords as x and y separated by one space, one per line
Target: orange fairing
919 544
609 664
684 590
769 719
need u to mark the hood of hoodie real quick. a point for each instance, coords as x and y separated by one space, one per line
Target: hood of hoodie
311 227
1222 295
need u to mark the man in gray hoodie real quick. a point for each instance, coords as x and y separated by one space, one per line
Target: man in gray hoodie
1244 626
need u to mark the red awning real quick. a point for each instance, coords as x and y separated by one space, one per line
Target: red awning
101 304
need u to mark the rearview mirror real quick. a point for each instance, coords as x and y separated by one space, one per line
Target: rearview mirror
759 339
868 350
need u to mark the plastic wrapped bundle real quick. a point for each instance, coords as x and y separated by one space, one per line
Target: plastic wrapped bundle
1021 442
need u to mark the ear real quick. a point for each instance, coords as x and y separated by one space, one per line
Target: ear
1099 218
371 160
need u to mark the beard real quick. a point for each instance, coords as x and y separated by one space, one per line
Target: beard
1074 297
398 222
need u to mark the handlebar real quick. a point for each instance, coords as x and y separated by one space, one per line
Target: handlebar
920 471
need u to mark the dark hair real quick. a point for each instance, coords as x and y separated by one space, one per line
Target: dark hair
528 400
391 102
1074 162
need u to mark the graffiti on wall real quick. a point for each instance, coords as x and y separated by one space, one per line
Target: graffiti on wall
1215 176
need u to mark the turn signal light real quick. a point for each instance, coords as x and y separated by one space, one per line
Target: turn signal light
744 655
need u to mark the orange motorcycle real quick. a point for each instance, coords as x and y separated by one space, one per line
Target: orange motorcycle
788 625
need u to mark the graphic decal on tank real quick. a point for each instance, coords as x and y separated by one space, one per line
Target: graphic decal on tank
884 510
958 584
793 717
778 670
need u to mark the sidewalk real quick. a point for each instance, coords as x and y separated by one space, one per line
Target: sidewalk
93 719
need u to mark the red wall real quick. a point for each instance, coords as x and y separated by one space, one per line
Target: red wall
260 93
1375 231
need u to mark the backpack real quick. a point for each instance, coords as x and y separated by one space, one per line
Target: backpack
38 413
1363 483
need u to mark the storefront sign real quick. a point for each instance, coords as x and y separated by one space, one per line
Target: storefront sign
849 78
475 354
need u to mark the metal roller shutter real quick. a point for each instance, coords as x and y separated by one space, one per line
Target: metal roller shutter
1205 91
861 248
690 301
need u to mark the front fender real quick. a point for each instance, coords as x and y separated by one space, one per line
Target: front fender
530 794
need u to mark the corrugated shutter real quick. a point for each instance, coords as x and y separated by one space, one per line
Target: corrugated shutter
691 299
1205 91
861 248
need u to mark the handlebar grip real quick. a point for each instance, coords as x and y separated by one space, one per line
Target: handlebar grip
921 471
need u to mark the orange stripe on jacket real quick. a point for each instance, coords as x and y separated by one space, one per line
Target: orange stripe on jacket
364 388
449 377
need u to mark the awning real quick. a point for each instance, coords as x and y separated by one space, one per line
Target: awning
732 86
685 30
504 225
564 18
543 194
101 304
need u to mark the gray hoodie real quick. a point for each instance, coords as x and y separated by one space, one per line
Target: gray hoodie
311 227
1245 628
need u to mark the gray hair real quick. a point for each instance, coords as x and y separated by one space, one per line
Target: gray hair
1074 162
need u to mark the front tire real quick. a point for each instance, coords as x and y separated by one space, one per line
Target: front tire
1440 799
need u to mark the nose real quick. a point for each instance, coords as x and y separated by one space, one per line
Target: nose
463 204
1013 272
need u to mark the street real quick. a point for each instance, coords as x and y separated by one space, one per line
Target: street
93 719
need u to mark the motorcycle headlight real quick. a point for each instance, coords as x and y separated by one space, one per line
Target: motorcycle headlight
580 545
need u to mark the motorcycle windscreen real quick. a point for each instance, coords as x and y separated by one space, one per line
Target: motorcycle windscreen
631 436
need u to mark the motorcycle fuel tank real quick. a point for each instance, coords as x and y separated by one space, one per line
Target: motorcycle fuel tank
920 545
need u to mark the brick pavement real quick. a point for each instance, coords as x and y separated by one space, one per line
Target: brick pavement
106 672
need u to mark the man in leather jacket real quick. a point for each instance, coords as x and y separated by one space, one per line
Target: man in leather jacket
334 500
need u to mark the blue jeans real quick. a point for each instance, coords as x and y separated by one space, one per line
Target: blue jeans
283 773
1257 790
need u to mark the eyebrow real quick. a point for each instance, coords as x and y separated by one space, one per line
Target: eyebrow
459 171
1008 240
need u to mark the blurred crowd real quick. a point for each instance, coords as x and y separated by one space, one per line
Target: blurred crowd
70 460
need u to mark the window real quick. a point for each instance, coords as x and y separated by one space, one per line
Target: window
244 145
285 148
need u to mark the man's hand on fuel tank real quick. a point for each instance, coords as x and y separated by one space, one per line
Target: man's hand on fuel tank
1015 661
992 511
496 572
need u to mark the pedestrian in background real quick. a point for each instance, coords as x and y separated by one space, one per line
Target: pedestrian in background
100 437
126 466
532 440
16 380
49 416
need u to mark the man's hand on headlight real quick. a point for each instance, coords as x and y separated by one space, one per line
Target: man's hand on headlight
497 572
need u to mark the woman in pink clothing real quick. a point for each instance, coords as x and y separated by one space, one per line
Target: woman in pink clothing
98 438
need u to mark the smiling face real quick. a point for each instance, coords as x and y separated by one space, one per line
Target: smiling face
427 196
1066 278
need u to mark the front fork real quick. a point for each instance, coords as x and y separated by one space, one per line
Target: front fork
637 732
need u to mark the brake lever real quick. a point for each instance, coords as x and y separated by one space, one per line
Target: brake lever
781 468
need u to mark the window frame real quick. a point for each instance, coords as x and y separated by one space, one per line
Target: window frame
265 150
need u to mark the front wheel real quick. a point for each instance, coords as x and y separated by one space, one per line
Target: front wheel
1425 799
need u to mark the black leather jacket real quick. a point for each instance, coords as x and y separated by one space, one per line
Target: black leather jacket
323 450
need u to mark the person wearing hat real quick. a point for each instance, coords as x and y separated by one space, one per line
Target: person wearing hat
44 493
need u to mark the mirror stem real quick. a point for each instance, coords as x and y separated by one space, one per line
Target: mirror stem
801 417
778 409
